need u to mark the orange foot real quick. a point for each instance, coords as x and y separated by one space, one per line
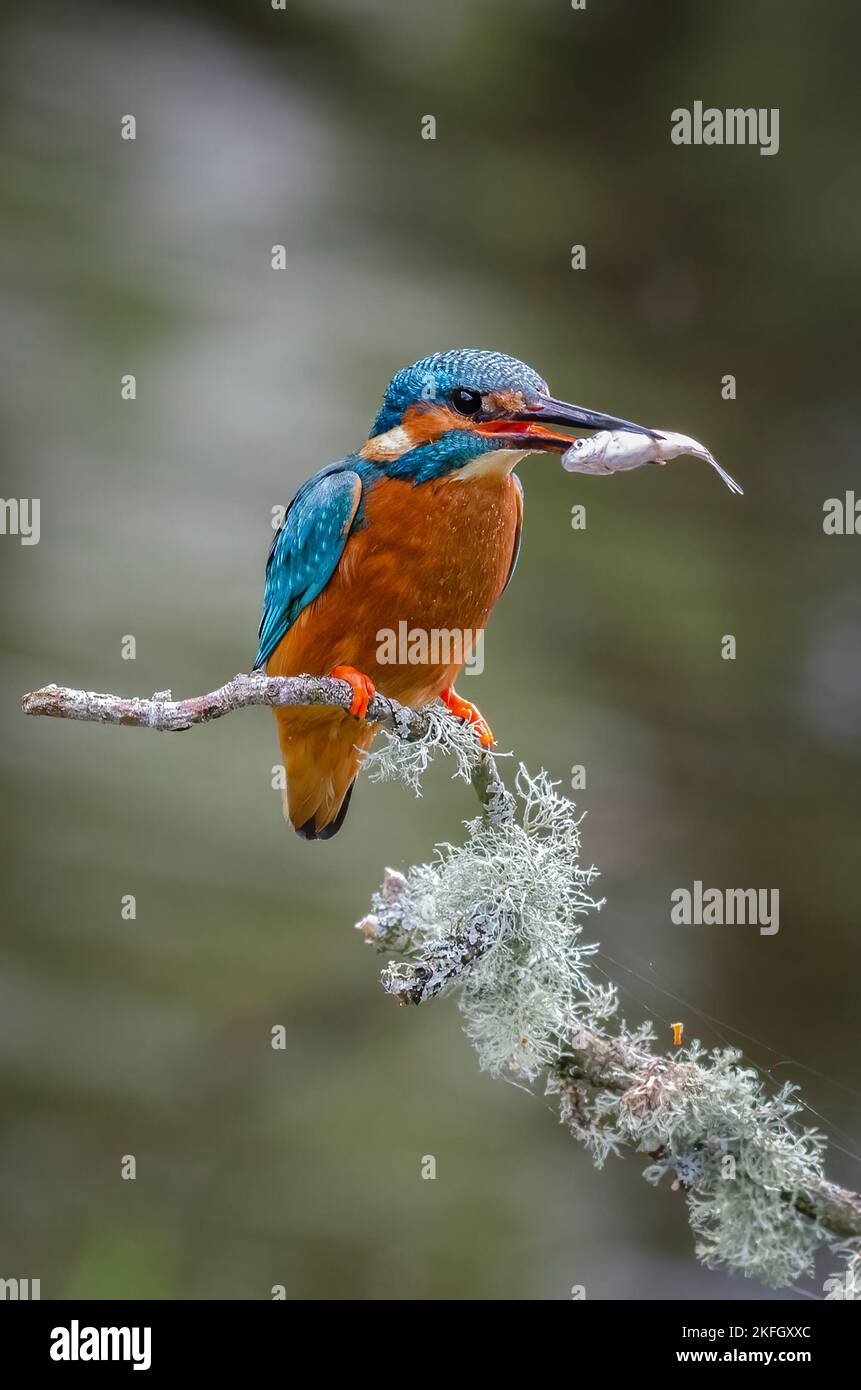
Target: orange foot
464 710
364 689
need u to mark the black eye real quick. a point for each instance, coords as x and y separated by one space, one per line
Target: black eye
467 402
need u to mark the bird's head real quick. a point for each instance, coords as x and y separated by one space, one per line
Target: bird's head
467 412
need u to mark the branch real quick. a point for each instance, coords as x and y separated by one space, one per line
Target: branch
167 715
638 1076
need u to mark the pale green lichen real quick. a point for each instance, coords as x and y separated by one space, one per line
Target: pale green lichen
500 918
737 1154
522 994
398 757
846 1284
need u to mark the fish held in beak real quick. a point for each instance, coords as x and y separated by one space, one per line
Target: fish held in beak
616 451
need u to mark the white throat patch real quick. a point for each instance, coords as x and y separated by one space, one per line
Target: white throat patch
495 464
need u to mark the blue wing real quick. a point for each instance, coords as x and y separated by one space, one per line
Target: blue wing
306 550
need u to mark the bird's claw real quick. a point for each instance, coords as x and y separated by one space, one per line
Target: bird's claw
363 688
464 709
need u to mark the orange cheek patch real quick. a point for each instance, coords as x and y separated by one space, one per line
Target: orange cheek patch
421 424
426 422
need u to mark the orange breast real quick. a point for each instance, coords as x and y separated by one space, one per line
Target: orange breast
432 559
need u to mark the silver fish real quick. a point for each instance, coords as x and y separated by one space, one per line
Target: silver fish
613 451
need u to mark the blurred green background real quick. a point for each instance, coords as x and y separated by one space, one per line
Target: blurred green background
152 1037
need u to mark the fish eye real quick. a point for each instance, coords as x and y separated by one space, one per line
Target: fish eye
465 401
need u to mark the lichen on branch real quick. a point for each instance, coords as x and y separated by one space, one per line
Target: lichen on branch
499 919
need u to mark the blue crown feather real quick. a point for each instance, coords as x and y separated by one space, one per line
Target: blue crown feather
435 377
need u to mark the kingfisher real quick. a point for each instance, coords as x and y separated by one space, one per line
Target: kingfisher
418 527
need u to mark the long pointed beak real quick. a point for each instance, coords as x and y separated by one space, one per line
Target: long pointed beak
553 412
530 426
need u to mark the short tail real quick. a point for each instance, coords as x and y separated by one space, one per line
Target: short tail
309 830
322 753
